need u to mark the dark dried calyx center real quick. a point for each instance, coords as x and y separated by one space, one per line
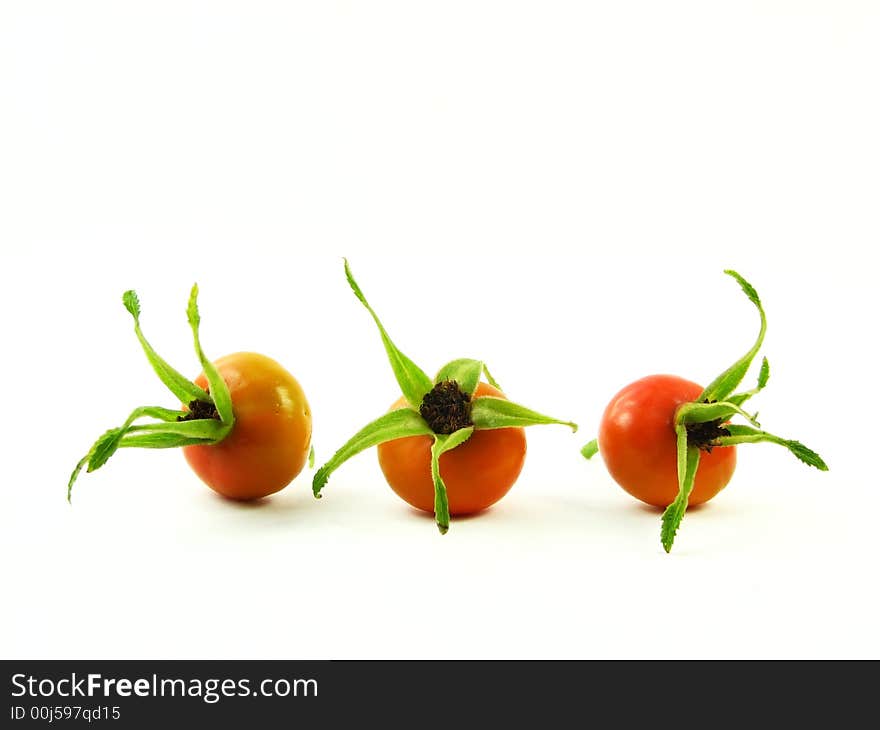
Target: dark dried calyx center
199 410
446 408
705 435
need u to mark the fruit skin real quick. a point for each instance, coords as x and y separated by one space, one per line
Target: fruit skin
477 474
269 442
638 443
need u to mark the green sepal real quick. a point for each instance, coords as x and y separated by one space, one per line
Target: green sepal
688 461
747 435
174 429
106 446
492 381
413 382
171 433
204 429
720 388
763 377
488 412
764 374
182 388
590 449
160 440
108 443
442 444
393 425
465 372
706 412
219 392
75 473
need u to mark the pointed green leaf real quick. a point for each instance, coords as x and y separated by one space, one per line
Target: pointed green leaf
805 454
590 449
100 444
75 474
106 446
410 377
182 388
724 384
488 412
393 425
311 457
464 372
442 444
688 461
219 392
763 377
747 288
441 498
748 435
109 441
492 381
167 434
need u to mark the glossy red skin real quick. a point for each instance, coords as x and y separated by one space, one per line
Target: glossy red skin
477 474
637 440
269 442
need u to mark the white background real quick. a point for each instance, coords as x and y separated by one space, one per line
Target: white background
552 187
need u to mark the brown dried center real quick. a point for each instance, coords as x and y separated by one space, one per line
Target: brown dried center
199 410
704 435
446 408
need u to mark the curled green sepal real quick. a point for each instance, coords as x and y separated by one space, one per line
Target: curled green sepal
747 435
724 384
185 390
108 443
219 392
688 461
171 433
441 445
463 371
488 412
590 449
393 425
413 381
